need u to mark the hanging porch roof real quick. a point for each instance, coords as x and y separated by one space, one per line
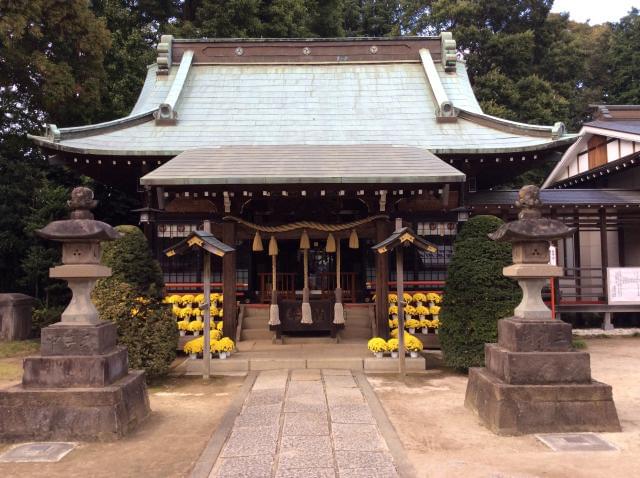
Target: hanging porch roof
403 91
303 164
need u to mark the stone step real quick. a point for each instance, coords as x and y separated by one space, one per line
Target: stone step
356 332
357 321
308 340
255 322
256 334
356 312
256 312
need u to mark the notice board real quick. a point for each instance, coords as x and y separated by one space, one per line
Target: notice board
623 284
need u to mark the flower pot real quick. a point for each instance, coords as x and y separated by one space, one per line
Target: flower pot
419 303
435 317
183 333
431 304
412 330
436 331
196 333
377 354
425 331
192 356
413 354
223 355
394 316
422 317
394 354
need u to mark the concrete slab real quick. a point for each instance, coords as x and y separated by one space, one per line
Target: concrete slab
230 365
308 443
362 459
388 364
293 458
340 381
335 371
344 363
251 442
259 416
308 473
269 396
271 380
43 452
356 437
305 403
276 363
244 467
380 472
297 424
344 396
356 413
305 374
309 387
575 442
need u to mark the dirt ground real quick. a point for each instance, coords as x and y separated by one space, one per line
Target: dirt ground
444 439
185 412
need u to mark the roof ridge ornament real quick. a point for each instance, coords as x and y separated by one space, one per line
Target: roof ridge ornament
52 132
166 113
445 111
449 52
558 130
164 54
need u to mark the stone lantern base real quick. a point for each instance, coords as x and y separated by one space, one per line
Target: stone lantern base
534 382
79 388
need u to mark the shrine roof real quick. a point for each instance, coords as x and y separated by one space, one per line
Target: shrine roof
303 164
558 197
402 91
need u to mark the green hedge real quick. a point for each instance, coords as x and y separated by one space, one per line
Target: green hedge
132 299
476 293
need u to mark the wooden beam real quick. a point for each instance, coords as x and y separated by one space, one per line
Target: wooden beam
382 281
229 281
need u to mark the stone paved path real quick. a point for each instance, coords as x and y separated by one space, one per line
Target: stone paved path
305 424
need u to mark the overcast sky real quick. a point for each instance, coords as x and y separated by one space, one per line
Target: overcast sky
597 11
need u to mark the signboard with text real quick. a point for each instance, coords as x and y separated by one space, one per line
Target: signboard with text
623 284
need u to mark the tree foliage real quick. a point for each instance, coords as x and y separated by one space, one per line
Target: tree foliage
132 299
476 293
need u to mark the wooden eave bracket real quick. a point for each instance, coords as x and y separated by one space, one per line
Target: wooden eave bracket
166 113
445 111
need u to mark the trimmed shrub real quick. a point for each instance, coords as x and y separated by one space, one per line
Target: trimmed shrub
131 298
132 262
476 293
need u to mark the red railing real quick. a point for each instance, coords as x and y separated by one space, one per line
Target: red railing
285 285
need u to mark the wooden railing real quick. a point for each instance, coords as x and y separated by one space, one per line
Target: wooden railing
583 285
347 284
285 285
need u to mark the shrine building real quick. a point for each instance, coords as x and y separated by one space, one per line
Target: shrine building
337 140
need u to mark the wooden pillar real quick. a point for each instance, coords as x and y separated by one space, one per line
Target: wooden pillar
576 258
604 250
229 281
382 281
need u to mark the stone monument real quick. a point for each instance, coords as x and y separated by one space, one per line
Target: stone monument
79 388
15 316
533 380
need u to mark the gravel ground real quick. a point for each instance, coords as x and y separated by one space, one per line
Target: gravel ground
444 439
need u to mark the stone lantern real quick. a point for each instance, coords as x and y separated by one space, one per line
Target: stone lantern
80 387
533 380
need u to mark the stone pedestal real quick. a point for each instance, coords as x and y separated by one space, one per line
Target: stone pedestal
534 382
79 388
15 316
